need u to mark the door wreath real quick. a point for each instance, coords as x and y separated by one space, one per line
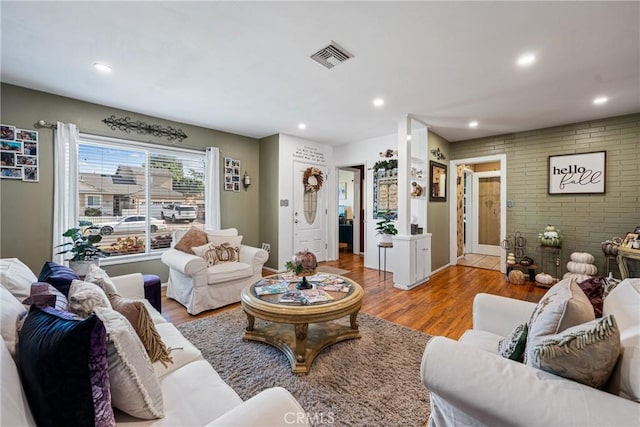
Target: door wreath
312 180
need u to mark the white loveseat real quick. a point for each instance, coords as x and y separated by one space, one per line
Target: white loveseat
199 287
193 393
470 384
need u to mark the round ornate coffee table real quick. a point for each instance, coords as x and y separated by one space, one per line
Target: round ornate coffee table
301 331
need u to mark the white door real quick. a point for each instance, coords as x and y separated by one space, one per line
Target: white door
486 213
309 213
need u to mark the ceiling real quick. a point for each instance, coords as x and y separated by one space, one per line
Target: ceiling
244 67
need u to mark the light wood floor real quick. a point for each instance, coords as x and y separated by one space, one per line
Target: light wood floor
442 306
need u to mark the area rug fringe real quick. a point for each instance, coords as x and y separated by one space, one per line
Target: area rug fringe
371 381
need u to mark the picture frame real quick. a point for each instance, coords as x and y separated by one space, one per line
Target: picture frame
19 154
231 174
342 191
437 182
582 173
629 239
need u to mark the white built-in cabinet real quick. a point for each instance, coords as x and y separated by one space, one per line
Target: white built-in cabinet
412 252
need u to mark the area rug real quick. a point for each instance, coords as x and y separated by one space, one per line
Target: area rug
371 381
331 270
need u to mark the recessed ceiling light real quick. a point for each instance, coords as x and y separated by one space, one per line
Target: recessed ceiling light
600 100
378 102
526 59
473 124
102 67
302 126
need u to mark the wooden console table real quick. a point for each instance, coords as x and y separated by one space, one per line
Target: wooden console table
624 255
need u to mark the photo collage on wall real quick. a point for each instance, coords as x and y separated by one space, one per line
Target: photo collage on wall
19 154
231 174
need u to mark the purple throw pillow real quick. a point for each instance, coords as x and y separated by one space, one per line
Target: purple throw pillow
594 290
58 275
64 369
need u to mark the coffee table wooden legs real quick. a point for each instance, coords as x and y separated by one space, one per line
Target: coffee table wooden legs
302 342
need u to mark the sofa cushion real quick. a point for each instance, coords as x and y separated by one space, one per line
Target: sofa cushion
483 340
135 388
85 296
220 249
11 310
225 272
138 316
564 305
99 277
624 303
14 409
585 353
58 275
226 232
16 277
45 295
194 237
63 366
180 349
512 347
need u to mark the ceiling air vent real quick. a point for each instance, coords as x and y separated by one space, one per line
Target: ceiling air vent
331 56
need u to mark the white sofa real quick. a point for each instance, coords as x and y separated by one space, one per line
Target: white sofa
199 287
470 384
193 393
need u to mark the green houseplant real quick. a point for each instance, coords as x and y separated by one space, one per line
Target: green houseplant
385 226
81 247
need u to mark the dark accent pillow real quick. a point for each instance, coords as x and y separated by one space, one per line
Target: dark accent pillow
64 370
45 295
593 288
513 346
58 275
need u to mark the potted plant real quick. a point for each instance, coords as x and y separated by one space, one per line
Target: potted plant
385 226
82 247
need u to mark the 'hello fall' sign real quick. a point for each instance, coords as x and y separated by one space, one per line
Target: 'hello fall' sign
577 173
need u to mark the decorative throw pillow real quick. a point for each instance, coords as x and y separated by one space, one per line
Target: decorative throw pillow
564 305
135 388
63 367
11 311
193 237
226 249
84 297
207 252
585 353
593 288
99 277
513 346
58 275
45 295
609 285
16 277
140 319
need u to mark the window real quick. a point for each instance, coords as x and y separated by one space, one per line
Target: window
136 195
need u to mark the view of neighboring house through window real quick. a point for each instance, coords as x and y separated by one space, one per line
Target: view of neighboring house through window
135 194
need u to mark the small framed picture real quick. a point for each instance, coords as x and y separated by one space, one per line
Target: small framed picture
11 146
8 158
7 132
30 174
236 187
11 173
27 160
228 186
30 148
629 239
27 135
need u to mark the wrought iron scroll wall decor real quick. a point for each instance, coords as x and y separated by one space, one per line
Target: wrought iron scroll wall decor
438 154
125 124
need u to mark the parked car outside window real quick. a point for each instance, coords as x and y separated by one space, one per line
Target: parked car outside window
132 223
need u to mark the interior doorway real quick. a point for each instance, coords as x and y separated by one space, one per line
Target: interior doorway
350 209
478 213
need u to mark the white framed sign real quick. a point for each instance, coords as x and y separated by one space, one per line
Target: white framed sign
577 173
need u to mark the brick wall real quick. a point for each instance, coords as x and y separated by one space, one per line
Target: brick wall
584 220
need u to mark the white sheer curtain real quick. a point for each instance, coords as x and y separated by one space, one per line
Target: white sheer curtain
212 184
65 195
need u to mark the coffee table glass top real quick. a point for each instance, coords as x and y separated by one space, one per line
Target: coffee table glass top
280 289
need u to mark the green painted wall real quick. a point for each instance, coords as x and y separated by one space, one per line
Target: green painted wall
269 196
26 209
584 220
438 212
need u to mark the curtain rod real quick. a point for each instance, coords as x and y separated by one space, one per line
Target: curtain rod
45 124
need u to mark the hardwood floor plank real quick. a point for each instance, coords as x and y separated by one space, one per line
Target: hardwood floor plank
441 306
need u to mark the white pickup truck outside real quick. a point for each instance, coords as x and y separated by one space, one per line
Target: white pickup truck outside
177 212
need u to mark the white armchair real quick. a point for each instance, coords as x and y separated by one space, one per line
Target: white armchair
199 287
